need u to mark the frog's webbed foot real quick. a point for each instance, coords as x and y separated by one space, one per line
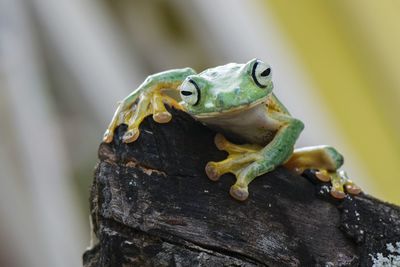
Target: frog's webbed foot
149 98
326 160
238 162
341 184
147 103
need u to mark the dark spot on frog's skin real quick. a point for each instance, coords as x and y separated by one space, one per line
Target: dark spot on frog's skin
220 101
237 91
213 74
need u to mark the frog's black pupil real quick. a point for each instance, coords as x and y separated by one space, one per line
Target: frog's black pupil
266 72
186 93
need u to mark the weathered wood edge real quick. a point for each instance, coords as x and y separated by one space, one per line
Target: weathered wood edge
129 234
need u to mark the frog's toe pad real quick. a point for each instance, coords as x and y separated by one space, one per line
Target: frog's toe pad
131 136
323 176
162 117
353 189
212 171
239 193
338 194
108 136
220 141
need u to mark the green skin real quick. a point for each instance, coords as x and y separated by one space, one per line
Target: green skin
236 100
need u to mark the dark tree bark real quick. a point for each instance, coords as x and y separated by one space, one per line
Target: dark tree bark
153 205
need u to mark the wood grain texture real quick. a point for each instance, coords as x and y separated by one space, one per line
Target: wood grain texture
152 205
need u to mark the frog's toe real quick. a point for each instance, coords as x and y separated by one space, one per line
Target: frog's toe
108 136
220 141
353 189
238 192
339 194
212 171
341 185
131 136
162 117
323 175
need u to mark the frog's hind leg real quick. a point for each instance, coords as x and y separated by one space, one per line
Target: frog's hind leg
327 160
317 157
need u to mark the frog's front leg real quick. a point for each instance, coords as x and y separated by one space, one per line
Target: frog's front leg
148 99
247 162
239 155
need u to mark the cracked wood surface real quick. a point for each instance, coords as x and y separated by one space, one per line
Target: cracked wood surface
152 205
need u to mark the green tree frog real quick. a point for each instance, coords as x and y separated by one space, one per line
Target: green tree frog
237 101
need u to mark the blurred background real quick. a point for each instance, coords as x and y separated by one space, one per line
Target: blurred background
64 64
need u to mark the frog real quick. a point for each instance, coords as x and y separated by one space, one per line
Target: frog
253 126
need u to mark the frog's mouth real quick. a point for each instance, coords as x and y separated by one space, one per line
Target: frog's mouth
234 110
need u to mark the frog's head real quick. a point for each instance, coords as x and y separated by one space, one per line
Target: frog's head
229 88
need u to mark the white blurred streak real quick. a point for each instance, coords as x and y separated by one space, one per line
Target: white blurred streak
84 37
39 205
15 210
243 30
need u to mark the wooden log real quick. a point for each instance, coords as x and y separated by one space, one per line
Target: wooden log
153 205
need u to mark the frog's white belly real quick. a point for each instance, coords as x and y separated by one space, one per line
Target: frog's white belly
249 125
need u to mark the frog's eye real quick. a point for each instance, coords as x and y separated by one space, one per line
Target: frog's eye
261 74
190 92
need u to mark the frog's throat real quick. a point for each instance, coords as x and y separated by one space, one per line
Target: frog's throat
232 110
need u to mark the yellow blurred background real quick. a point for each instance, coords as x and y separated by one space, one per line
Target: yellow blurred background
64 64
